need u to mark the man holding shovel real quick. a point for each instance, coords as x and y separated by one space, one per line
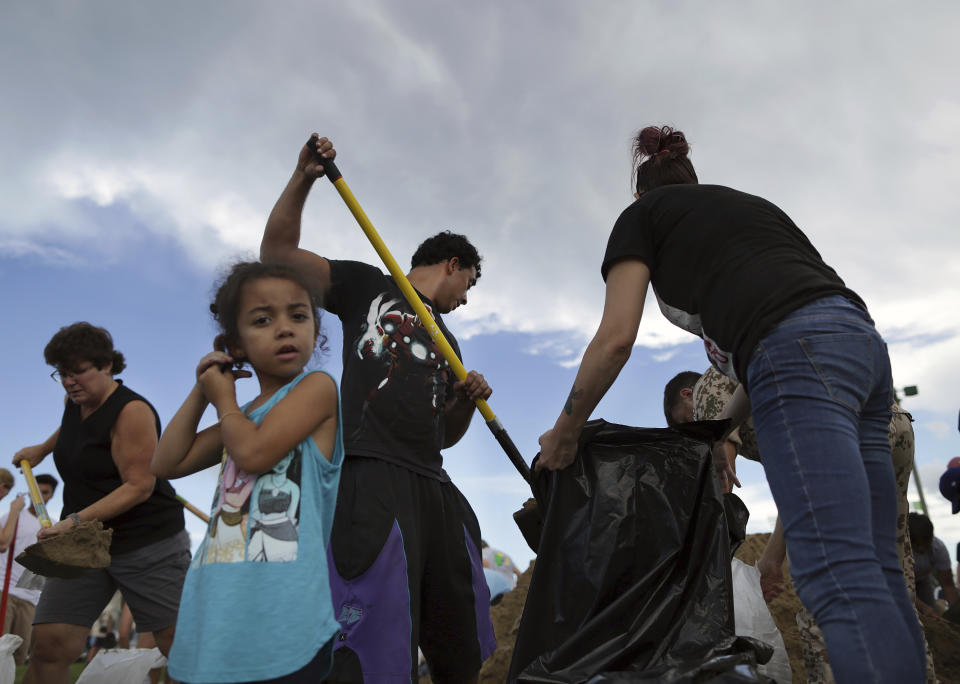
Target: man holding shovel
21 602
405 567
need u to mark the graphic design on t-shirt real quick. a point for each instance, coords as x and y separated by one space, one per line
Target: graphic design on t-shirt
680 318
256 518
398 340
721 360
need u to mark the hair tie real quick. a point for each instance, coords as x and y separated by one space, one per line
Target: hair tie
661 153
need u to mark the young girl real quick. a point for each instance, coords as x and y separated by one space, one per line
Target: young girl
256 603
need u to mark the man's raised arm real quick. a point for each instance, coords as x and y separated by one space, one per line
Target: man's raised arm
281 237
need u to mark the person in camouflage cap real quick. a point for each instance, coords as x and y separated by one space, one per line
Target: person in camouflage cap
694 396
710 394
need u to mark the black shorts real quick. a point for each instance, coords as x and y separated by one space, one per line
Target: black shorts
405 570
150 579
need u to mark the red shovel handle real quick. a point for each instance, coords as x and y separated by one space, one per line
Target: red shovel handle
6 579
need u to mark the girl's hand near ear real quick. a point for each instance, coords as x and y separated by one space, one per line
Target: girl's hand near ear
218 358
215 376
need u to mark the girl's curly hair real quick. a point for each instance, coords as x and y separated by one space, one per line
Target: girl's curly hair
226 301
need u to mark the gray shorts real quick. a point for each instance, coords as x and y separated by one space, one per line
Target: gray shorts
150 579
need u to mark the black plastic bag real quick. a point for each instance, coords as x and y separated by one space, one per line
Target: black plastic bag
632 579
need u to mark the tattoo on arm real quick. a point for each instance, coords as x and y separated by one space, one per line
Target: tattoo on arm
574 394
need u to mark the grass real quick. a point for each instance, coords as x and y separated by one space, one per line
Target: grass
75 671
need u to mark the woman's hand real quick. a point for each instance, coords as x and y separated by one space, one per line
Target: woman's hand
557 450
31 454
54 530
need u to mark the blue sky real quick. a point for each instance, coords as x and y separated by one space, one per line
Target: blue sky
144 146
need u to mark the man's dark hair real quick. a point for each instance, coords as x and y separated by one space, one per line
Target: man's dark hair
920 527
443 247
671 393
44 478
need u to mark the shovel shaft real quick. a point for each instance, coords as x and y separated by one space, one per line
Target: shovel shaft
193 509
35 497
6 577
333 173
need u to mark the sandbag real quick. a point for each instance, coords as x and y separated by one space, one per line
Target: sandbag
121 666
632 582
752 619
8 666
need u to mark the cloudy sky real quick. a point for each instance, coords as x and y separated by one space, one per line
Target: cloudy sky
144 146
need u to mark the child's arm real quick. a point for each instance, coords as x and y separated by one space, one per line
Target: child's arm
182 450
309 408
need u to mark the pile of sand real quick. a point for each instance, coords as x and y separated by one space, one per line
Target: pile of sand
943 636
71 553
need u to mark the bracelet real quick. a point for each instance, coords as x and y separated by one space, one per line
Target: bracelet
75 518
232 413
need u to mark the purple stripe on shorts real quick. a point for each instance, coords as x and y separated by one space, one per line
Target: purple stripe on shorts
481 600
374 624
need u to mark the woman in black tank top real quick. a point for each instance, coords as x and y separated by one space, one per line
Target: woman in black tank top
102 450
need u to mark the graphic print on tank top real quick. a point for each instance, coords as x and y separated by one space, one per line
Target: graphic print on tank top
255 517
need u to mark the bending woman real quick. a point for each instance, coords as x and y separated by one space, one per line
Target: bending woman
103 450
733 269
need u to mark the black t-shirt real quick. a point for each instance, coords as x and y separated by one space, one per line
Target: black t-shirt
395 380
725 265
85 463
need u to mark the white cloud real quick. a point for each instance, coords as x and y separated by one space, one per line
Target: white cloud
508 124
939 428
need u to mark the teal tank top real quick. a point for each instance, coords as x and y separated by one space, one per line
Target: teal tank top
256 601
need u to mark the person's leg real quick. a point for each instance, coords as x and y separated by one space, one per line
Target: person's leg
163 639
875 448
816 662
19 621
151 580
456 633
64 614
55 648
375 566
125 627
808 381
93 651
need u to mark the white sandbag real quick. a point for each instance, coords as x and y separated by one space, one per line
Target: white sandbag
121 666
8 667
753 619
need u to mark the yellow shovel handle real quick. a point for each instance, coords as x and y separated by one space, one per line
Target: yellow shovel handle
35 497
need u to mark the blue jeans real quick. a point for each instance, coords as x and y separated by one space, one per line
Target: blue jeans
820 392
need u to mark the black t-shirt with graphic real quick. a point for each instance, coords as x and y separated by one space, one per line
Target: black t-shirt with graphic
395 380
725 265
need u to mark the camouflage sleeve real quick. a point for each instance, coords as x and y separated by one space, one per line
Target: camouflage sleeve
710 395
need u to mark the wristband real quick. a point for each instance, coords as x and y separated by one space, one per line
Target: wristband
75 518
